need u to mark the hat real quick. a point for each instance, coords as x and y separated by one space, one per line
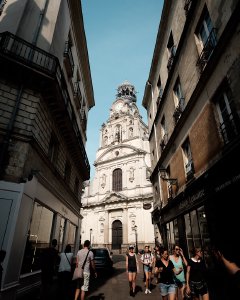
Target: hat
131 247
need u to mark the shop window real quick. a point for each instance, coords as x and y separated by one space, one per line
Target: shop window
61 233
197 233
117 180
71 236
39 236
172 234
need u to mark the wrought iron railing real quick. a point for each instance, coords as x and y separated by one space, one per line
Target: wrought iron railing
208 48
29 55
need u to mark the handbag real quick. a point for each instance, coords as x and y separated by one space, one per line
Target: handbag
78 272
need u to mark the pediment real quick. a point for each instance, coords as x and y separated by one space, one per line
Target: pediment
118 151
114 197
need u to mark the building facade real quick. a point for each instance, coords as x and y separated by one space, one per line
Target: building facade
45 95
117 204
193 105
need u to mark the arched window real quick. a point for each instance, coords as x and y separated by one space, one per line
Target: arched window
117 180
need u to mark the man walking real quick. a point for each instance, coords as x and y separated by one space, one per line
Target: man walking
84 255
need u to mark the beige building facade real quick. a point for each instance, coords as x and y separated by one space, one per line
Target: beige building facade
45 95
192 100
117 203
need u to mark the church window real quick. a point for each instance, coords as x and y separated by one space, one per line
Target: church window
117 180
130 132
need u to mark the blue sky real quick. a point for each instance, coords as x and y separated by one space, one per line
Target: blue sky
121 36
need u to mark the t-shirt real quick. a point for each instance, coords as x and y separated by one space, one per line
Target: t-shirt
147 258
197 271
81 255
166 276
65 262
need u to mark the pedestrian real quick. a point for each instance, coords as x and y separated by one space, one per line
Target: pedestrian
179 261
157 258
49 261
167 270
147 261
65 272
196 284
132 269
83 283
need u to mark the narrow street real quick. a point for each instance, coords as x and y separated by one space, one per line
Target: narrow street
109 286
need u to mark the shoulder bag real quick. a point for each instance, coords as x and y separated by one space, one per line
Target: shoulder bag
78 272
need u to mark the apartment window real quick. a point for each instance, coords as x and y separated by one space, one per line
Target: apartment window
164 135
69 62
53 149
171 51
178 100
67 172
188 161
117 180
206 35
228 117
160 90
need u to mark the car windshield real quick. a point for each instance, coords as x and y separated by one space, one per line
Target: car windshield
100 252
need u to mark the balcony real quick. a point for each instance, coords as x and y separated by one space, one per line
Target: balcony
29 61
69 62
208 48
178 110
230 128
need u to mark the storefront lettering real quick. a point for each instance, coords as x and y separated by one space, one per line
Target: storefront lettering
227 183
191 199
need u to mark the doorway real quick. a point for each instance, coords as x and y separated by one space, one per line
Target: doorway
116 235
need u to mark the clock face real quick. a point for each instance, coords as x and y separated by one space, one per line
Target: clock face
118 106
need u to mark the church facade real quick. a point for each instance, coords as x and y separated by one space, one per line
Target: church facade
117 203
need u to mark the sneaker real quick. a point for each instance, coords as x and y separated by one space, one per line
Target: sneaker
146 292
149 292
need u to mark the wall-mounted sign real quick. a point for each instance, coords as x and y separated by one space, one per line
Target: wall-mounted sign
147 206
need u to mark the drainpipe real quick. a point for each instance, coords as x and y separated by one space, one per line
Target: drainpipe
40 21
6 140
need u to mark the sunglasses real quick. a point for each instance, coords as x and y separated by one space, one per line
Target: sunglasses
177 249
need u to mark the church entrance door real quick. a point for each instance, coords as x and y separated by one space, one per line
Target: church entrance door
116 235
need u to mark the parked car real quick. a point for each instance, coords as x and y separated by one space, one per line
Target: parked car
102 258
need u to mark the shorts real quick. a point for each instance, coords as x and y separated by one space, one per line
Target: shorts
83 283
198 288
166 289
132 270
147 268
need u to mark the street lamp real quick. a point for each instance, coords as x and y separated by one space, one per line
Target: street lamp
135 229
90 235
